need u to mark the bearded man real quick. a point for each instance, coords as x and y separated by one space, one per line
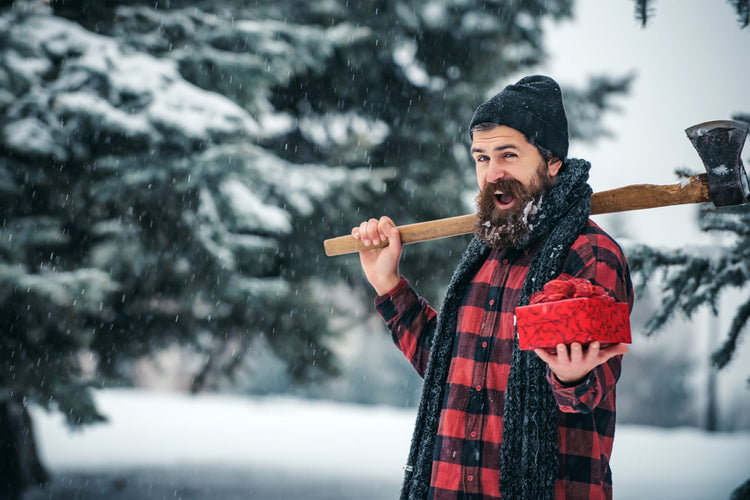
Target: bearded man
495 421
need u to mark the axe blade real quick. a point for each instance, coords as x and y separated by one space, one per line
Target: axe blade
719 144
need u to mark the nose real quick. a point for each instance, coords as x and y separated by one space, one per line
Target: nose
495 172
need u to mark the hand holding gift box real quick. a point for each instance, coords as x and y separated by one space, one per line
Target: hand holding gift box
569 310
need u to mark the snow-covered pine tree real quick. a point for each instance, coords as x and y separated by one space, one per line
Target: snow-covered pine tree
693 277
406 86
168 171
692 274
138 211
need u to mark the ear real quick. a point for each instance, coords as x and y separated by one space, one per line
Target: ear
554 166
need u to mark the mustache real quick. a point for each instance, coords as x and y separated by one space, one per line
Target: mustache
510 187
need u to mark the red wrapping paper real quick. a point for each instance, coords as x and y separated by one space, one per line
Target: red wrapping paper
571 310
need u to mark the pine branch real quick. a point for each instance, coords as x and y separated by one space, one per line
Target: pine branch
739 227
643 10
589 104
660 318
724 354
743 11
644 259
742 492
691 278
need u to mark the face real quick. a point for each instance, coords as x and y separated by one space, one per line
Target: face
512 178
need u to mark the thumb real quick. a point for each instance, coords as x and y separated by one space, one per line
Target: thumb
613 350
389 230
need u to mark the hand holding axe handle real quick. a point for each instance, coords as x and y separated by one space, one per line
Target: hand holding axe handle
719 144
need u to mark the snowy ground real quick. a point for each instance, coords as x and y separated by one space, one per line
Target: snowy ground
166 445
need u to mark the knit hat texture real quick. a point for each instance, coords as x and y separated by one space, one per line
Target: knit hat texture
534 107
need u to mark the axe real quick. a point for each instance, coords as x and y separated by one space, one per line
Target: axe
719 145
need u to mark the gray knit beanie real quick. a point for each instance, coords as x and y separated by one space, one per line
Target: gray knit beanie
534 107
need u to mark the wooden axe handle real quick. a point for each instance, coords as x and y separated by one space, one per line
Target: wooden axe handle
694 189
636 197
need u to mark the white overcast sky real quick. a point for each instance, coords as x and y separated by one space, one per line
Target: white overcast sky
692 64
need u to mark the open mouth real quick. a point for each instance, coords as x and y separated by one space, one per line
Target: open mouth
504 200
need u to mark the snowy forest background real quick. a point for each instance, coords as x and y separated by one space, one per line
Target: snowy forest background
169 169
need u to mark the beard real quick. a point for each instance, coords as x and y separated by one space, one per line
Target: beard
512 227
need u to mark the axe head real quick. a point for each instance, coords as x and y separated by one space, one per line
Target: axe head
719 144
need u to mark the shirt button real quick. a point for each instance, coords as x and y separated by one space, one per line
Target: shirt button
484 344
479 388
469 478
492 302
473 434
505 261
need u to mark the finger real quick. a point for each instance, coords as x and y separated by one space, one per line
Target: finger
576 352
592 351
545 356
562 353
386 227
392 234
355 233
363 233
372 231
366 232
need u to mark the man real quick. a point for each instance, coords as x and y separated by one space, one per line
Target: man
495 421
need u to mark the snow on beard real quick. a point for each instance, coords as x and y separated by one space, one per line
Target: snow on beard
510 228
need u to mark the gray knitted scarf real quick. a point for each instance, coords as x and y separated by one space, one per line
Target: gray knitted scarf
529 463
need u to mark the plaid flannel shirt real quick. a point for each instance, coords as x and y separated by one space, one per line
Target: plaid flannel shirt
466 461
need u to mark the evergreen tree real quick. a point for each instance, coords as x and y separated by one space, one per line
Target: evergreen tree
693 277
168 172
645 9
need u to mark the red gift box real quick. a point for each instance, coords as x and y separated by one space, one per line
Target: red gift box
566 321
571 310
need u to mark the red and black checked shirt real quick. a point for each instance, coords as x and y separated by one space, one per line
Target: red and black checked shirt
466 463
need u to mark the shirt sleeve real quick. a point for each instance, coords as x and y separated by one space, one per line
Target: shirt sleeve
411 321
596 257
587 395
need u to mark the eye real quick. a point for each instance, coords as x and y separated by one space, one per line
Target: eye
481 158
